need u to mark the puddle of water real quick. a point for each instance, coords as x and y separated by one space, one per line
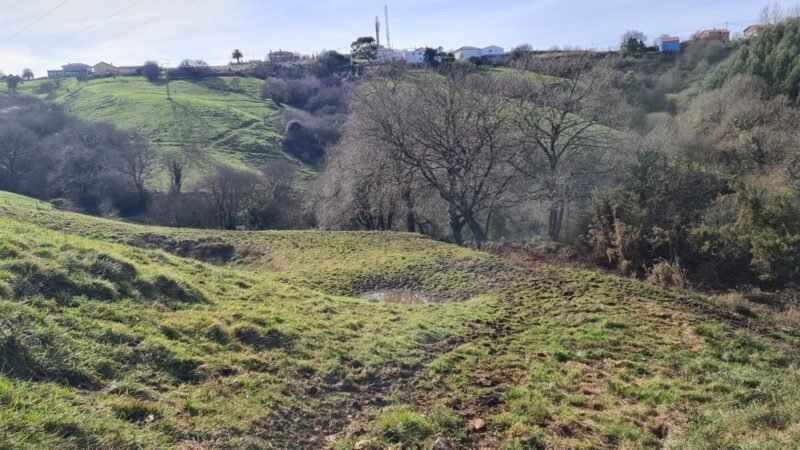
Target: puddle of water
398 297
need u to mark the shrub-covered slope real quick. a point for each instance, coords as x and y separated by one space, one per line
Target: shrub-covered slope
258 340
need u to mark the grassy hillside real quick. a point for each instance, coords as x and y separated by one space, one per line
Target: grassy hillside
120 336
224 115
20 201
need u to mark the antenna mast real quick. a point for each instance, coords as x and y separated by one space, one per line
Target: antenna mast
377 31
388 39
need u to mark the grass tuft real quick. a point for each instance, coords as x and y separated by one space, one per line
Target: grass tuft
403 426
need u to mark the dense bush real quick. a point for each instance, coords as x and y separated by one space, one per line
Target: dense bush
762 246
183 210
331 63
192 68
301 144
311 94
326 129
315 123
46 87
649 216
151 71
275 89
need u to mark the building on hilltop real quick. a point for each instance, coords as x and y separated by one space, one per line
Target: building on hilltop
281 56
468 52
77 70
754 30
669 44
104 69
715 35
414 57
491 51
385 55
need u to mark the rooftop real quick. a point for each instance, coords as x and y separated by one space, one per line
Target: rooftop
76 66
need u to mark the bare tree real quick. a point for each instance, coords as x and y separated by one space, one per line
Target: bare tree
18 147
560 115
772 14
138 160
274 203
777 13
176 166
178 163
358 188
228 190
633 34
452 132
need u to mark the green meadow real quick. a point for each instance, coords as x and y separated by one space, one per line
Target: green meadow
114 335
224 116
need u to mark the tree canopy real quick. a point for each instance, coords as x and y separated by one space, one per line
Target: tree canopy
773 56
237 55
364 47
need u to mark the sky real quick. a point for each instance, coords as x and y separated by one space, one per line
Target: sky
45 34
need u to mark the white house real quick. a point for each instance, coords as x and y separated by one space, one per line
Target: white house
414 56
467 53
491 51
475 52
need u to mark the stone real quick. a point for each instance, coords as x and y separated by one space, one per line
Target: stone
476 425
363 445
441 444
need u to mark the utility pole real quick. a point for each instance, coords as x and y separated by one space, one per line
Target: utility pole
166 75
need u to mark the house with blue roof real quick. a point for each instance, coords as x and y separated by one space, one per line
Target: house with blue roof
669 44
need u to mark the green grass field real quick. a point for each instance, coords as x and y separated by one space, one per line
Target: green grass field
115 335
224 116
20 201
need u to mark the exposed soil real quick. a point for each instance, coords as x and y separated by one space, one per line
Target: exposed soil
211 250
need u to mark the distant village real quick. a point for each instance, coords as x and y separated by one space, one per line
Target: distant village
382 55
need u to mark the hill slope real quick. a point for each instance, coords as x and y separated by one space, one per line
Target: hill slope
258 340
224 115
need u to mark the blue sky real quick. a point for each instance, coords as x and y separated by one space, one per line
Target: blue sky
126 32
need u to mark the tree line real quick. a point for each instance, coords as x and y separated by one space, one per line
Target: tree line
706 189
98 169
477 144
